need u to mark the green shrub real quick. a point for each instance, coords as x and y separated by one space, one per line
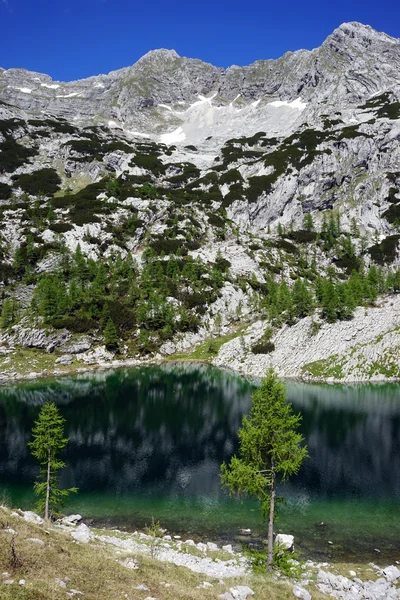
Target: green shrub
5 191
392 214
57 126
286 246
216 220
231 176
7 126
303 236
60 227
90 148
14 155
45 181
263 347
385 252
264 344
74 323
150 162
169 246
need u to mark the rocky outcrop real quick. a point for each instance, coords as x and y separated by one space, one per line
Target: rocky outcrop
364 348
27 336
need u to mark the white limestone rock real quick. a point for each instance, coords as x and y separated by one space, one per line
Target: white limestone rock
81 533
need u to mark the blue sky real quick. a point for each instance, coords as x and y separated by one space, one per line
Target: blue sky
70 39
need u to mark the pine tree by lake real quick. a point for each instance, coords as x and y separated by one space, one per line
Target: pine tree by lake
149 442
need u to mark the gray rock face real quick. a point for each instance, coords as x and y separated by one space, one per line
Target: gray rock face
29 337
342 98
352 64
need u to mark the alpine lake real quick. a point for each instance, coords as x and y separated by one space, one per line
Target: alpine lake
147 442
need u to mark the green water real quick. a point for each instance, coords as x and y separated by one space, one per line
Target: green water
148 442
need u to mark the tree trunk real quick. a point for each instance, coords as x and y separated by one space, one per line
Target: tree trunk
46 508
271 520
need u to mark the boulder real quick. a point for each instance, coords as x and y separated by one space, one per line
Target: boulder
78 347
65 359
300 592
286 541
35 541
391 573
239 592
32 517
71 520
81 533
211 546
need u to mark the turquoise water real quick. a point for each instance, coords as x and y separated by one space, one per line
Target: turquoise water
147 442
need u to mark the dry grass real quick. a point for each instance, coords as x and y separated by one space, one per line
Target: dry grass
93 569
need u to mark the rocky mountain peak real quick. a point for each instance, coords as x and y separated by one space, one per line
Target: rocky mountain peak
159 54
357 33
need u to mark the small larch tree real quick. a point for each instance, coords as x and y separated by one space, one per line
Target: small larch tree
270 450
48 441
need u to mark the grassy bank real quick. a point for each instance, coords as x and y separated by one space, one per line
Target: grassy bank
95 570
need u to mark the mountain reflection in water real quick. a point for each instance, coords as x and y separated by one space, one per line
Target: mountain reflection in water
163 431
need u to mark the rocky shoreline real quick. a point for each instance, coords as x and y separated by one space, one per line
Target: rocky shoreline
365 349
220 564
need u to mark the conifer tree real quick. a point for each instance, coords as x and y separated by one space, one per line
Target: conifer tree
270 450
111 337
302 300
8 313
48 441
308 222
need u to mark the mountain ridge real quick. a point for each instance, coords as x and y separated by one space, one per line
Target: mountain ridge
186 200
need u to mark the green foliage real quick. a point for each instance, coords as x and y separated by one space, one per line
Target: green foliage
14 155
285 561
59 126
308 222
216 220
111 337
231 176
383 106
47 443
60 227
385 252
264 345
270 449
150 162
7 126
5 191
44 181
302 236
9 313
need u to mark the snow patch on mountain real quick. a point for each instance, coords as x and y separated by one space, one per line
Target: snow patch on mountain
298 103
174 137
